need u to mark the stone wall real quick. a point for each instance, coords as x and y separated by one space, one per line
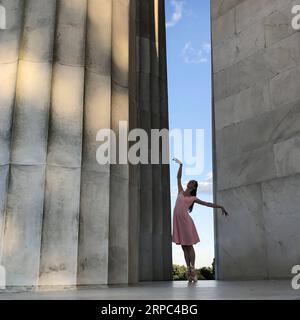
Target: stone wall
256 112
69 68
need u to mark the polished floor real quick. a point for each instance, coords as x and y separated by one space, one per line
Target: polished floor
177 290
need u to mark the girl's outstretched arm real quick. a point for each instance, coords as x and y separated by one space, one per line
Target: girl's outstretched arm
179 175
212 205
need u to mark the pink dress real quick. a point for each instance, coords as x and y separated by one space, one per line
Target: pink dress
184 230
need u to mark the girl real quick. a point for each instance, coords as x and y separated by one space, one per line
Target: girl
184 230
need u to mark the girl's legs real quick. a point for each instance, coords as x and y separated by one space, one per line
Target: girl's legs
191 254
188 262
186 255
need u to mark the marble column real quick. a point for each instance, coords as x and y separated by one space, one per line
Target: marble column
63 173
24 211
144 104
164 124
9 56
69 68
118 261
93 252
155 219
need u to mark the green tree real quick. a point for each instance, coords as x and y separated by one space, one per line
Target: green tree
213 268
205 273
208 272
179 272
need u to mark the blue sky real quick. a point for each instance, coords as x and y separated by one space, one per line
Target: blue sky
189 82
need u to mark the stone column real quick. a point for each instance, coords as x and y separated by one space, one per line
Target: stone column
82 66
22 238
155 124
155 230
63 174
118 263
164 124
146 205
134 169
9 56
95 185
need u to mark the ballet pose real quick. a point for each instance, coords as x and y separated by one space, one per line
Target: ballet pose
184 230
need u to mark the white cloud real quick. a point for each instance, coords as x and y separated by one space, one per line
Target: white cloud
206 47
206 186
191 55
177 14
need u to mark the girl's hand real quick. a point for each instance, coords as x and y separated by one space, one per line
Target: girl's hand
224 212
177 161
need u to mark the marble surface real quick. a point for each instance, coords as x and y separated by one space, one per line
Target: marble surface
176 290
256 55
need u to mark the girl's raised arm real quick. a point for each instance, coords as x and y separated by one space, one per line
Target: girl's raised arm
179 175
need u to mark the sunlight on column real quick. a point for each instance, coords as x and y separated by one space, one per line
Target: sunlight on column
33 85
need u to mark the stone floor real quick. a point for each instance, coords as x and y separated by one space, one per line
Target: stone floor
177 290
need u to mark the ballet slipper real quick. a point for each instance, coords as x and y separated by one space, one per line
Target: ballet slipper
193 274
188 274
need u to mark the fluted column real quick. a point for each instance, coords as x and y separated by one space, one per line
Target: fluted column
118 263
155 215
62 195
22 238
9 56
146 204
82 66
134 123
95 178
155 124
164 124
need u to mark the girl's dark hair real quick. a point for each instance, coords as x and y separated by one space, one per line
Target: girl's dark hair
193 193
